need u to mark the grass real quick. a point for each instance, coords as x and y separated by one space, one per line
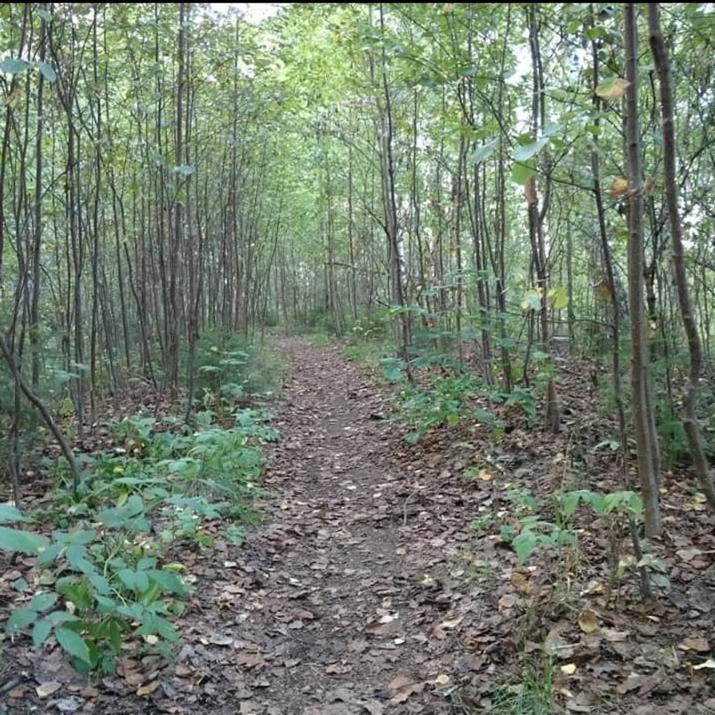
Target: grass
534 695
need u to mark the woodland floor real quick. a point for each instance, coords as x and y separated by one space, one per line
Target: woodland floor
365 591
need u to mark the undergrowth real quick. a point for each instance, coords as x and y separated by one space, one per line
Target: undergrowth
108 579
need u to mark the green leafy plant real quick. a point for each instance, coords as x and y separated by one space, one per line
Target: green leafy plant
105 574
103 588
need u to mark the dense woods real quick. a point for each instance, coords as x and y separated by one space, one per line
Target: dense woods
501 200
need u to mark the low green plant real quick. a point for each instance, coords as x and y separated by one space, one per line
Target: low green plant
102 587
105 574
530 532
534 695
481 524
444 403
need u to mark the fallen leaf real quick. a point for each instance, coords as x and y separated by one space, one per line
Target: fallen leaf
69 705
632 682
373 707
46 689
407 689
521 583
452 622
688 555
614 636
568 669
709 663
217 639
147 689
556 645
250 660
485 475
588 620
507 601
696 643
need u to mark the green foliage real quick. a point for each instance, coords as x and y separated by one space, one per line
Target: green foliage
444 403
230 370
528 532
671 434
106 572
372 326
105 588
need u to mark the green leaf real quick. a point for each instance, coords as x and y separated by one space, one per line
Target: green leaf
483 152
559 298
13 66
20 618
73 644
10 513
127 577
101 585
57 617
184 170
524 545
48 72
24 541
43 601
569 502
49 554
40 631
612 89
521 173
551 130
45 15
170 582
527 151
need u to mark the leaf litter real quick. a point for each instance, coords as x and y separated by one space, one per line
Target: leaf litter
363 590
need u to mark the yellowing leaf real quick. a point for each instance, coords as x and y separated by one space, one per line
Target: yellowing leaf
588 621
532 299
559 298
521 583
485 475
602 290
619 188
147 689
612 89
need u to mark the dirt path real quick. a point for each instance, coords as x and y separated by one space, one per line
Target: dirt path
333 608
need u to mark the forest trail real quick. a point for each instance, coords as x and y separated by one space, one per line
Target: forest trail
332 610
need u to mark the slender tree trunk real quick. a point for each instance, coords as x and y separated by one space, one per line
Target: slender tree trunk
647 461
690 397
